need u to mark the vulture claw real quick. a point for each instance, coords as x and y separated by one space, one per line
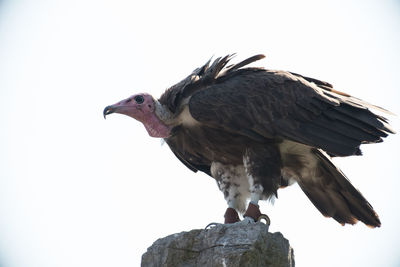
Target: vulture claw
264 217
211 225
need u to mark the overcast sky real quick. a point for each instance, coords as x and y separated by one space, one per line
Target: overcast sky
76 190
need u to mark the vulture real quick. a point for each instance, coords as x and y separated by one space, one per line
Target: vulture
256 130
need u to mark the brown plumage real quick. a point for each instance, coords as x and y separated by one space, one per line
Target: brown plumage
256 130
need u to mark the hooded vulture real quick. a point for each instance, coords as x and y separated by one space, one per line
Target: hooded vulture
256 130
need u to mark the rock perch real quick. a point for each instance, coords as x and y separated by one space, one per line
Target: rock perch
222 245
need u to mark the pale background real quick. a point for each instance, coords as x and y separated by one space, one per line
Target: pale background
76 190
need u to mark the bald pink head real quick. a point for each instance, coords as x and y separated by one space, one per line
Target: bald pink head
142 108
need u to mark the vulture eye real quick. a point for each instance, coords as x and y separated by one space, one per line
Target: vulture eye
139 99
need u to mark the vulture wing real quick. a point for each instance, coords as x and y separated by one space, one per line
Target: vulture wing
187 162
269 104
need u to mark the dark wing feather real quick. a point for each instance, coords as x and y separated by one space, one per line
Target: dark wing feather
334 196
277 104
201 78
187 162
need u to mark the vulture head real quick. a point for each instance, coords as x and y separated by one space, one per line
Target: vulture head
144 108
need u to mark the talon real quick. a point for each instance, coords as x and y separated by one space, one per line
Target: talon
211 225
264 217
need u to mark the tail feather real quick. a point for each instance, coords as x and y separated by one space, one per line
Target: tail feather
334 196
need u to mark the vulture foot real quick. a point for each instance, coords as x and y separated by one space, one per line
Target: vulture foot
231 216
253 212
251 216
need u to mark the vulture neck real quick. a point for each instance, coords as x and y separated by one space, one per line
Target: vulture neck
170 120
163 113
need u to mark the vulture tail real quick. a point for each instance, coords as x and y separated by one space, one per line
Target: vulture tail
334 196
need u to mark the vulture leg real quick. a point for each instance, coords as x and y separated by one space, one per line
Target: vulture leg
233 184
262 167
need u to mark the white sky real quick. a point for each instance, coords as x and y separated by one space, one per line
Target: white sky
76 190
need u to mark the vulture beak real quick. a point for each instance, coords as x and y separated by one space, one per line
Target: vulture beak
108 110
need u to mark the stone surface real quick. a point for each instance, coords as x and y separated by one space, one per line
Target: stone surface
222 245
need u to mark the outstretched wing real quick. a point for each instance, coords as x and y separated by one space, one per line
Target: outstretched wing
275 104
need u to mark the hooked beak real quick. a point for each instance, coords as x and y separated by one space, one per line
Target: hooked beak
108 110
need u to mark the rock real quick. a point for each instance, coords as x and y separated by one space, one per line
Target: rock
222 245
